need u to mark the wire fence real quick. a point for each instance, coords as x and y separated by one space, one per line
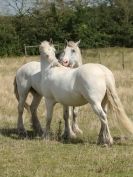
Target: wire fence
118 55
122 55
34 49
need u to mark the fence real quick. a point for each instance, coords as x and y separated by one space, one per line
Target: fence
27 47
122 58
118 55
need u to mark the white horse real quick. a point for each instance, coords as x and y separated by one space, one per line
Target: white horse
89 83
28 80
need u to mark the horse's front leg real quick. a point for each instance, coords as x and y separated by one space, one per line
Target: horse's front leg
49 113
75 126
68 132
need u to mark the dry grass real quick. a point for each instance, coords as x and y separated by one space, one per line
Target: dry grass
38 158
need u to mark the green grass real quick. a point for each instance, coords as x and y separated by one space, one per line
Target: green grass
35 157
39 158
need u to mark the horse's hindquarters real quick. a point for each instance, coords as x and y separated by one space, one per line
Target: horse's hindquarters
91 83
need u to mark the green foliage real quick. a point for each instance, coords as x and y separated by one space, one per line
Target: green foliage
106 24
9 43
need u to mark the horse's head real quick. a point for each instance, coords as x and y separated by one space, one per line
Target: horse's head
47 50
71 54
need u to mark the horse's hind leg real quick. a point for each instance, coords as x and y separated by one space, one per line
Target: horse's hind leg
34 118
75 126
104 135
103 129
68 132
20 124
105 104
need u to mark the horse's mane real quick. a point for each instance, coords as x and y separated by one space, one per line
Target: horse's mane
54 62
71 44
45 43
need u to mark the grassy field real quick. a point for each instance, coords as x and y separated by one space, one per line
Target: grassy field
35 157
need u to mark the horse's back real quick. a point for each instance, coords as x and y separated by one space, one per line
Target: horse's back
24 75
29 68
95 69
90 70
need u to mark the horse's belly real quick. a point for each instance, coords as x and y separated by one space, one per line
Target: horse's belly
72 100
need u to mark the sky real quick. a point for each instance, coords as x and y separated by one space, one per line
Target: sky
5 9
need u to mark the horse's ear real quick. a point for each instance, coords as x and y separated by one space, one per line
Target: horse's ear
78 42
51 41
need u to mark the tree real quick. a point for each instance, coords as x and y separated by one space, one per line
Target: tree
20 7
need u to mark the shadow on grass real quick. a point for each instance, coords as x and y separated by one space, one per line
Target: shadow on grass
118 141
13 133
72 141
123 141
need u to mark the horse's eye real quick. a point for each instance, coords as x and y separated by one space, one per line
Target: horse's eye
73 50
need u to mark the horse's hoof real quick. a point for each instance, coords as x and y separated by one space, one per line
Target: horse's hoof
65 136
105 143
77 131
39 132
68 136
73 135
38 129
22 133
47 135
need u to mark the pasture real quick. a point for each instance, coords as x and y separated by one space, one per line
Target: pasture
58 158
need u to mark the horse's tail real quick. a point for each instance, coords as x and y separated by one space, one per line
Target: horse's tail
26 105
118 109
15 89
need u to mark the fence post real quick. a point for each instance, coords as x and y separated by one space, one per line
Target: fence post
123 60
57 46
25 50
99 56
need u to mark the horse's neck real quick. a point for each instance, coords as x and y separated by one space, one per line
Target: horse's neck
44 64
79 58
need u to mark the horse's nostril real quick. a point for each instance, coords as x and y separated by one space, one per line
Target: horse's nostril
65 61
